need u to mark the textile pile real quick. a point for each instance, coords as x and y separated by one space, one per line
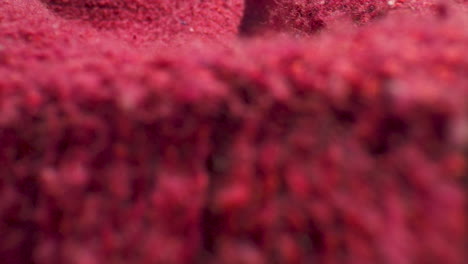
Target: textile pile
224 131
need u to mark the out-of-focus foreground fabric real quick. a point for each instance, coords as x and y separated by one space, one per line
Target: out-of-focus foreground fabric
232 132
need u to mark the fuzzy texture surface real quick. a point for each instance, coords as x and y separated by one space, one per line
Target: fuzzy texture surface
345 145
303 17
147 21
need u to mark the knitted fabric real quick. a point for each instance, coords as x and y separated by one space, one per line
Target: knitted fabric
127 137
